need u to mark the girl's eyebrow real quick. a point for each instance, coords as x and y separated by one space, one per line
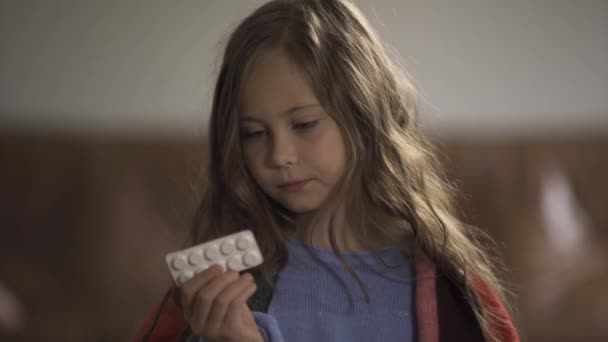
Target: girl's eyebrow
287 112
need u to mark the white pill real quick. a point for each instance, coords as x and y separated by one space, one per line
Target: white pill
179 263
243 243
227 248
234 264
196 258
211 253
250 259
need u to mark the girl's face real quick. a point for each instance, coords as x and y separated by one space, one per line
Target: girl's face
293 149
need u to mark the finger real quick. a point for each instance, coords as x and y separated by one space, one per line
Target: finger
239 315
240 302
223 302
244 296
189 289
204 298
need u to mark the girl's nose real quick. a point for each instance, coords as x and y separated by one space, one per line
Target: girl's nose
282 152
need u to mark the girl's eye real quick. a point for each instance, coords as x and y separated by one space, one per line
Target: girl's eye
252 134
306 125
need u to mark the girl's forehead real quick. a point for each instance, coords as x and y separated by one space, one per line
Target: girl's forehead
244 117
275 85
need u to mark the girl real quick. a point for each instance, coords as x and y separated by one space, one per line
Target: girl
314 147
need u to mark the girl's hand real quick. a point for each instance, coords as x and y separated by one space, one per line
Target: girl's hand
215 305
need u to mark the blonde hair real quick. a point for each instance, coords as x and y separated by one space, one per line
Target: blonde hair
393 185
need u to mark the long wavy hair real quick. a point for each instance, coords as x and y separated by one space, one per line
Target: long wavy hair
393 186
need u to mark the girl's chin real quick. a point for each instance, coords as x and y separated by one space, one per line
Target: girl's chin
301 209
300 205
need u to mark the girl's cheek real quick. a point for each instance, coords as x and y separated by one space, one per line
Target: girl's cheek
254 157
250 150
249 159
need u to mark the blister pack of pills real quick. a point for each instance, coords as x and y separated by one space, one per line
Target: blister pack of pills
236 252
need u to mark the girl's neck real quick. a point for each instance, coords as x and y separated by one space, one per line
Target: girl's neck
317 234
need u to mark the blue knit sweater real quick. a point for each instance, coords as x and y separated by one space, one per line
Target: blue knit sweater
316 299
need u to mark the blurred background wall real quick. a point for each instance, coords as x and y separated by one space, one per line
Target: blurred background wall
103 108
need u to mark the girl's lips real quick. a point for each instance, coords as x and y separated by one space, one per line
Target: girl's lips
293 186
